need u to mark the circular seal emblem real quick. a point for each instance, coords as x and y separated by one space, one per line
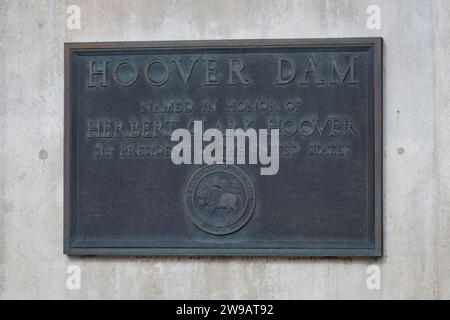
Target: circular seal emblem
220 198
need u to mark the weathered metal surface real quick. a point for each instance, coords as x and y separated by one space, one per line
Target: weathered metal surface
124 195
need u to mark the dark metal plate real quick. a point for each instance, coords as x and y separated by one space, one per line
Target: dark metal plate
124 194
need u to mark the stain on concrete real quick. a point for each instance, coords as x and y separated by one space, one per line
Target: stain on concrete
401 151
21 176
43 155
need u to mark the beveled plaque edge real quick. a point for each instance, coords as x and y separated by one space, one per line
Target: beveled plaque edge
377 251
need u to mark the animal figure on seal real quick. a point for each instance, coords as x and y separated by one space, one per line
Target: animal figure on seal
215 197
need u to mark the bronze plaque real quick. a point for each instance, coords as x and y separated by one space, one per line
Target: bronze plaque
248 147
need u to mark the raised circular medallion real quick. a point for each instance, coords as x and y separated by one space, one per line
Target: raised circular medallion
220 198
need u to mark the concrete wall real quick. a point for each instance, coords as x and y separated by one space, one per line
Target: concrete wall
417 149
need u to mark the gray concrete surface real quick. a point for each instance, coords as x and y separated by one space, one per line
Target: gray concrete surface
416 161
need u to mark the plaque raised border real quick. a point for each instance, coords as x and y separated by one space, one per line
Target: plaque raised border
376 251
